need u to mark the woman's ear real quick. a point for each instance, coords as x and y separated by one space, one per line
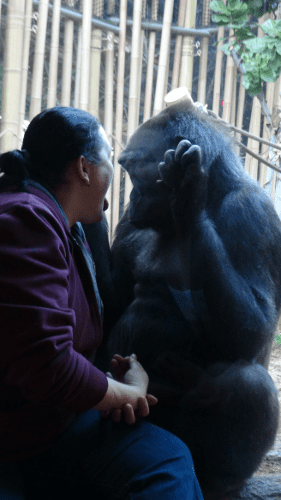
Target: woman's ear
82 168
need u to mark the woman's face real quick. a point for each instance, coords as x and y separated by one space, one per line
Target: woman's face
100 177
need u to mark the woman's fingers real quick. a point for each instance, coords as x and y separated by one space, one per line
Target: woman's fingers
116 415
143 408
152 400
129 414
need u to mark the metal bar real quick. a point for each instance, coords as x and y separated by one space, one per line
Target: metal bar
77 16
176 30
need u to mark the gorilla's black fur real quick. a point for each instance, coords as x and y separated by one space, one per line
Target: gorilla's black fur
194 291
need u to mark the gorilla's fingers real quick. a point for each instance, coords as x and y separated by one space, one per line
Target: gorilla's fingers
169 157
193 155
167 169
181 148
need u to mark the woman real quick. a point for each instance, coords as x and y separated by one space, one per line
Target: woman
52 396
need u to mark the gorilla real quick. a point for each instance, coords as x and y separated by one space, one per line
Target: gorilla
191 285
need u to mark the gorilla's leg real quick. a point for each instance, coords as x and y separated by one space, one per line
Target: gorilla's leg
229 421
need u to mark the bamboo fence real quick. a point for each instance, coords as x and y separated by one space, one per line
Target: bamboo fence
119 67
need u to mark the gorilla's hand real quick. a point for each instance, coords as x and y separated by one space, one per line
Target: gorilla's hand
184 178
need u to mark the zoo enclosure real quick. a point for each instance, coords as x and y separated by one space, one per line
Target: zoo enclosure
118 60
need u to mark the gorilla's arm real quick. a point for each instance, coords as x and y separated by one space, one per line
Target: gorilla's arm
236 253
238 267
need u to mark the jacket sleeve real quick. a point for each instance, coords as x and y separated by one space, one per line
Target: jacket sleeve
36 336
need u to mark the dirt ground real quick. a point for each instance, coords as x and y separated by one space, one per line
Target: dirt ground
272 462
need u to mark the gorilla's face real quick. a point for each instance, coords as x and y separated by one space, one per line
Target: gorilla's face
149 204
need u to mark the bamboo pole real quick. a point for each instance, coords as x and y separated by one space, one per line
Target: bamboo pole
240 110
251 164
78 68
276 102
186 71
134 69
85 55
140 75
95 62
233 100
178 47
38 64
149 76
150 65
217 81
119 115
229 81
54 56
25 60
133 89
201 96
67 62
11 92
163 57
108 106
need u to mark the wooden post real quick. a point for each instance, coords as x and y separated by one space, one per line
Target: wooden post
160 90
217 82
251 144
233 100
78 69
251 164
178 47
240 110
186 72
54 55
133 89
150 65
95 61
229 76
201 96
108 106
25 59
140 74
67 62
276 102
149 76
11 92
119 115
38 64
85 55
94 87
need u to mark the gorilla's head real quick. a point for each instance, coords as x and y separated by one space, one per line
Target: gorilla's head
149 203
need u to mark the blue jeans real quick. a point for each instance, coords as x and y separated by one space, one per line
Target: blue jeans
118 461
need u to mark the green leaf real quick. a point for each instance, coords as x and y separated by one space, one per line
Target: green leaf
218 6
278 46
240 18
219 18
269 74
225 48
270 27
278 339
256 45
253 91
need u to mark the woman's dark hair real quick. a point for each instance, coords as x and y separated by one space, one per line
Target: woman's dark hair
52 140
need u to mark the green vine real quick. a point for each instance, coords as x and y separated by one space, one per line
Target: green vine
260 58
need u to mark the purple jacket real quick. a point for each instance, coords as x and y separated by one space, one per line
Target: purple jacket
50 327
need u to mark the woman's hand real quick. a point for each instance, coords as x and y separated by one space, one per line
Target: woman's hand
130 372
